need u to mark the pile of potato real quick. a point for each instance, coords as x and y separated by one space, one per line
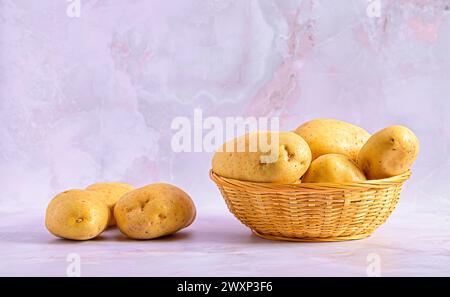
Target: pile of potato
149 212
320 151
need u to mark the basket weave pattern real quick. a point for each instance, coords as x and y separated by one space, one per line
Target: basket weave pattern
311 212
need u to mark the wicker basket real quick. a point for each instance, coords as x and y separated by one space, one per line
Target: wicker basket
312 212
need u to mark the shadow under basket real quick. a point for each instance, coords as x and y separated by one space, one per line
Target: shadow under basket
312 212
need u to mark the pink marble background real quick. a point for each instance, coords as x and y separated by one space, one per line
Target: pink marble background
92 98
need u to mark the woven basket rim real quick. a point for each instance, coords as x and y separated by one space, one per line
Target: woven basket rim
369 184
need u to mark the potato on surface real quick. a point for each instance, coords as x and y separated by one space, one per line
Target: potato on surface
77 215
154 211
389 152
110 193
333 168
329 136
262 156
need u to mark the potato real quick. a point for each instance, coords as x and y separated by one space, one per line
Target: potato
77 215
257 157
333 168
110 193
389 152
153 211
328 136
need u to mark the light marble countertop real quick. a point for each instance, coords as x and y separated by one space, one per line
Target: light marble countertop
409 244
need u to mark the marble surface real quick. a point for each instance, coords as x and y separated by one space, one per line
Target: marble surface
91 98
409 244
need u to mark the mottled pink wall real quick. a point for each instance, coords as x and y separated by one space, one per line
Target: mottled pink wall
92 98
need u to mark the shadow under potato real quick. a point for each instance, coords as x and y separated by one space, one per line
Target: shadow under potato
181 235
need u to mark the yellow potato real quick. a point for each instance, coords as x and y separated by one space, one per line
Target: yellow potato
333 168
110 193
328 136
389 152
257 157
76 215
153 211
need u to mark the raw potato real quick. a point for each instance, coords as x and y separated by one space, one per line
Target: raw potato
285 164
110 193
153 211
77 215
389 152
333 168
328 136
